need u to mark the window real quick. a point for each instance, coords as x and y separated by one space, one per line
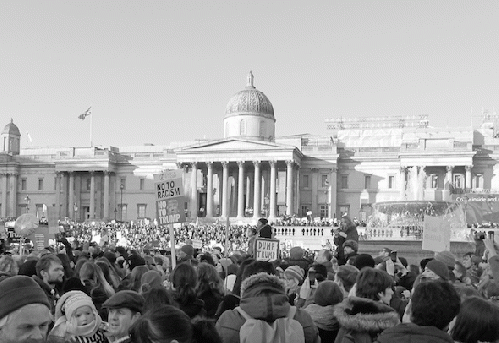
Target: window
367 182
434 181
24 184
142 182
324 211
478 181
141 210
324 181
261 131
40 184
123 212
89 184
458 181
391 180
344 181
344 210
304 210
242 128
123 182
305 181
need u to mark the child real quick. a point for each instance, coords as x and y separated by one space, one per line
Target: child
77 320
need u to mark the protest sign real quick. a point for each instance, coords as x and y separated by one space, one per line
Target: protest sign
170 200
436 234
197 243
40 238
266 249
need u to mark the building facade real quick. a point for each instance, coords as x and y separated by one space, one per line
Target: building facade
252 173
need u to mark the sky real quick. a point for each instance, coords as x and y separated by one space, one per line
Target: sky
163 71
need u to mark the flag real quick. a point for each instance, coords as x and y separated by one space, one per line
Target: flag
86 114
29 137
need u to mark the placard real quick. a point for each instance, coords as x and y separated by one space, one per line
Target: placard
40 238
436 234
266 249
197 243
170 199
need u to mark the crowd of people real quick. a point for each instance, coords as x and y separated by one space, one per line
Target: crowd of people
112 293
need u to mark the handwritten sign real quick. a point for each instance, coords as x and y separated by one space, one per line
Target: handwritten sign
266 249
436 234
170 199
197 243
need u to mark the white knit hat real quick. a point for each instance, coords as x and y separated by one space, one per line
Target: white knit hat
73 300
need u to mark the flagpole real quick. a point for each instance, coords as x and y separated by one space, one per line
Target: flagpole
91 120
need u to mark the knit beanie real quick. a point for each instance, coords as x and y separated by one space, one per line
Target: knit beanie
296 253
28 268
438 268
328 293
187 249
70 302
18 291
364 260
447 258
348 275
295 272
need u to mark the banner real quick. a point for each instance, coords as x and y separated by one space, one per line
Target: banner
436 234
40 238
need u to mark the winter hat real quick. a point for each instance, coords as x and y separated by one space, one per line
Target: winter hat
187 249
18 291
352 244
259 282
28 268
150 279
295 272
438 268
296 253
364 260
328 293
70 302
447 258
125 299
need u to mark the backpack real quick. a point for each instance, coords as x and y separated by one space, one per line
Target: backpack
282 330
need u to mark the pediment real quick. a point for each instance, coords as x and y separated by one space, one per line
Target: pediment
234 145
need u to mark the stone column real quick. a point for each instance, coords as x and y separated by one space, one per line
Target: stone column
272 204
209 191
248 190
289 188
449 176
332 192
106 194
13 195
71 192
240 190
92 195
468 185
402 182
296 190
194 190
64 195
58 194
256 191
225 189
5 187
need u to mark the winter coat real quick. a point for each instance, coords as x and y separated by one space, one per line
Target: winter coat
362 320
411 333
51 293
263 298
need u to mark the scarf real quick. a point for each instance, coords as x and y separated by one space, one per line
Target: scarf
71 329
323 316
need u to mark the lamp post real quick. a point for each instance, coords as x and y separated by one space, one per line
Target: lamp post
115 211
27 199
122 186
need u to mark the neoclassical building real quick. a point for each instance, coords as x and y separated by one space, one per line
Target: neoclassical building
251 172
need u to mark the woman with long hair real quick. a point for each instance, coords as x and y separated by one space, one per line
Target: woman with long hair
100 290
184 282
209 288
477 321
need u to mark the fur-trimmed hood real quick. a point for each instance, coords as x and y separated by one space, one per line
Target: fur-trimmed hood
365 315
262 282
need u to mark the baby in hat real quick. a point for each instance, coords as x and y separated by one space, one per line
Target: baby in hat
77 320
293 277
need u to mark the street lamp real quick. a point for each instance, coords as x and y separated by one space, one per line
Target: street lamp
115 211
122 187
27 199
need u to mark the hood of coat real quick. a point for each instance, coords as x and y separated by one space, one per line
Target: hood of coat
263 297
323 317
365 315
412 333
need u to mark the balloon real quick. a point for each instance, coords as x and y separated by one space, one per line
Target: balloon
26 224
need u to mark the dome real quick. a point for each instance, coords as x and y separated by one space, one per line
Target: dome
250 101
11 129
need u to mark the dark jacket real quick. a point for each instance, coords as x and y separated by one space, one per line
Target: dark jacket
52 294
362 320
263 298
411 333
